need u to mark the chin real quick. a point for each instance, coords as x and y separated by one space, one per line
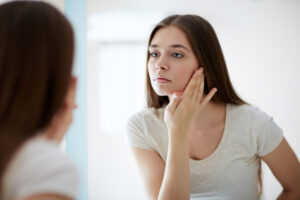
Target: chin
163 92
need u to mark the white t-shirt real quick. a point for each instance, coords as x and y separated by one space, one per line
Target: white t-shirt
231 171
39 167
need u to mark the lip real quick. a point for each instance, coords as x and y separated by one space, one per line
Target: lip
161 79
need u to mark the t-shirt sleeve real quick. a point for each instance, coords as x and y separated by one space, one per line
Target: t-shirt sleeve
41 168
135 133
267 134
58 178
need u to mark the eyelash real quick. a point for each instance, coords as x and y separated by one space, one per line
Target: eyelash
152 54
176 55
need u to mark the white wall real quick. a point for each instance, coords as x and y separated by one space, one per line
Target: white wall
261 43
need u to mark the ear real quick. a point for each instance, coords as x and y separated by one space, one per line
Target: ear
71 93
63 119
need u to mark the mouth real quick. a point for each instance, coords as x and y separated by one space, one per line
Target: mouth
162 80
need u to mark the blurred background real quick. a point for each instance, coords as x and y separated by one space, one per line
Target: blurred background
261 44
260 41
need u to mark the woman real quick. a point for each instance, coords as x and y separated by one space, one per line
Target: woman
36 102
198 139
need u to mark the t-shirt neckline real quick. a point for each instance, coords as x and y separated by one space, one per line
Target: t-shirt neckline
219 147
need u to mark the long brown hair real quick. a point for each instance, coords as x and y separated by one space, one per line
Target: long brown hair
208 52
207 49
36 58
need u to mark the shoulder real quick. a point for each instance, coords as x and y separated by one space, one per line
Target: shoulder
244 109
42 152
146 116
253 119
40 166
262 133
249 113
144 128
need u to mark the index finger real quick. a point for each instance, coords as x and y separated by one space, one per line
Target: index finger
192 83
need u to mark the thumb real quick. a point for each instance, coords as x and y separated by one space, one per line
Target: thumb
178 94
173 103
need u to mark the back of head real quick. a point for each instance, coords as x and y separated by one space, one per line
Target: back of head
36 57
207 49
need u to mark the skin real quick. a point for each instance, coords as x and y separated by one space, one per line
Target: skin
285 166
173 60
47 197
63 119
56 132
195 124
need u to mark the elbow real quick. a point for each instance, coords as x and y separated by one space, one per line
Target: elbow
289 194
174 197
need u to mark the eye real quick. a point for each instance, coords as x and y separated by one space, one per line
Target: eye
153 54
177 55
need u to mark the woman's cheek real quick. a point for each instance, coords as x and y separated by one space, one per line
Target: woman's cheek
184 78
150 70
182 81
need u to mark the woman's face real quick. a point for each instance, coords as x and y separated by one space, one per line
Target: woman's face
171 62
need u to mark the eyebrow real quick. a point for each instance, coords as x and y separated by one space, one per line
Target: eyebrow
172 46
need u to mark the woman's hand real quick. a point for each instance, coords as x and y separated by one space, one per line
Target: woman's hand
182 110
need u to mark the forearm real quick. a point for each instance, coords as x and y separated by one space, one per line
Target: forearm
289 195
176 181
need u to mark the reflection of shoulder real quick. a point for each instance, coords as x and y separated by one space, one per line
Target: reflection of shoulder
249 113
148 115
40 166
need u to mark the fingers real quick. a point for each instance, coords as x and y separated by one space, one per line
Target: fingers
200 87
178 94
208 97
193 92
192 85
173 103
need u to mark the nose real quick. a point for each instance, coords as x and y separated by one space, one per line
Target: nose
161 65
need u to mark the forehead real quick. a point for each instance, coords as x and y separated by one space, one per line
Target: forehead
170 35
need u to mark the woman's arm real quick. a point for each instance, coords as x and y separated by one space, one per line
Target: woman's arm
178 117
158 184
171 180
47 197
285 166
176 180
152 168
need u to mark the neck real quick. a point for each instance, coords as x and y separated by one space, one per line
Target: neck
212 114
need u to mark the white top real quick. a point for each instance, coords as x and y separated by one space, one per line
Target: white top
231 171
39 167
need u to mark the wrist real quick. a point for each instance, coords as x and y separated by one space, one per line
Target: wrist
179 133
178 129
